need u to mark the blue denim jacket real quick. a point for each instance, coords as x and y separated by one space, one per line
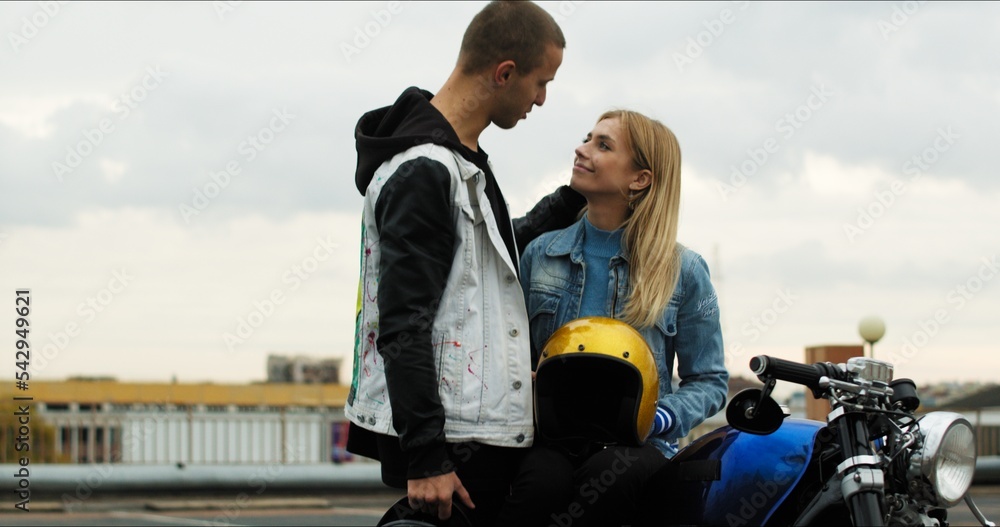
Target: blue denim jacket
552 274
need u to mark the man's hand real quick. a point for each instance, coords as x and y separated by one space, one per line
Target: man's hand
433 495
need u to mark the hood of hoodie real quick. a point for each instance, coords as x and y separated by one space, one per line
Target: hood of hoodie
385 132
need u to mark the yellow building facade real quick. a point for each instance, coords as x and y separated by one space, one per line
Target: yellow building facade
105 421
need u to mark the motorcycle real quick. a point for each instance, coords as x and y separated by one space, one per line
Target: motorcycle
874 461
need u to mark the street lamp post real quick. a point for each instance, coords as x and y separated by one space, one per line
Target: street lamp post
871 329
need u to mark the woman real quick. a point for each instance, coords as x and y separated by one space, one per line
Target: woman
621 260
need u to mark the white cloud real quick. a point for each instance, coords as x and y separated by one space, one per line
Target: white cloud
826 175
29 115
183 290
113 170
784 228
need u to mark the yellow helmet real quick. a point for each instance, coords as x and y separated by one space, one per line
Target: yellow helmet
596 380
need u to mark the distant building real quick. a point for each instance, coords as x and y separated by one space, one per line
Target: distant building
103 421
303 370
982 408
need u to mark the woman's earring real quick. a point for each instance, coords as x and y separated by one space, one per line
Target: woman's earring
631 200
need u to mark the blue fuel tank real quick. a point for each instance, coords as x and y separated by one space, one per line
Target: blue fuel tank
757 474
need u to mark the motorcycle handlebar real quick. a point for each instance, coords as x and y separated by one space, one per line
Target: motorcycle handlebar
807 375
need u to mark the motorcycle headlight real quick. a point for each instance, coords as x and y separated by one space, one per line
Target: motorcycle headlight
947 458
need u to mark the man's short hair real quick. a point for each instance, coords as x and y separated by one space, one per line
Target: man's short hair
518 31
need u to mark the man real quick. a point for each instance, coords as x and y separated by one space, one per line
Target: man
441 392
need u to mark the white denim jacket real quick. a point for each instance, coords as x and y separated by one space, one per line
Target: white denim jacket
480 331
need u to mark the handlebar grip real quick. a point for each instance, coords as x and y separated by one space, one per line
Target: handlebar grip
807 375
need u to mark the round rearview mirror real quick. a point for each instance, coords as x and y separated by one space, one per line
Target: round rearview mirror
747 413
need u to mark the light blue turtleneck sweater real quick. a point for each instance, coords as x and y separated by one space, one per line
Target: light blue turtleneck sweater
598 248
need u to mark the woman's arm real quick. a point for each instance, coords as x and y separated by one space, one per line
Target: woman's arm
704 380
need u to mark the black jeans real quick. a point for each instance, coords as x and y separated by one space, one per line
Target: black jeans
485 471
553 488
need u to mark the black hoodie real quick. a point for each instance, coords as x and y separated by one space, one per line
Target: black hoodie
416 226
412 120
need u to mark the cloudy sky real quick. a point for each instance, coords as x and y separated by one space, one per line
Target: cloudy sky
176 180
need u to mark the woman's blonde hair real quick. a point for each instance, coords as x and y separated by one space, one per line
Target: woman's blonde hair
650 235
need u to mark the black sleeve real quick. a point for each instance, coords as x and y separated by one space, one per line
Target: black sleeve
555 211
414 220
